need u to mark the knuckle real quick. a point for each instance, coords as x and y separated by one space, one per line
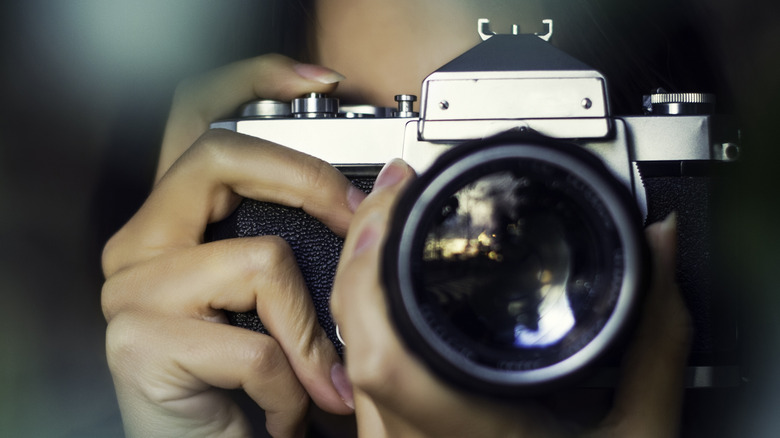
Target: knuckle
139 359
117 252
212 145
277 264
120 292
375 372
315 173
126 337
213 153
109 256
265 358
277 250
272 253
108 299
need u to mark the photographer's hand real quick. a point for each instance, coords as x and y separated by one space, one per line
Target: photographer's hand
170 352
396 396
201 100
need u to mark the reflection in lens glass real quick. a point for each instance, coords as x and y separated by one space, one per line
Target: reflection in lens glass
498 262
510 264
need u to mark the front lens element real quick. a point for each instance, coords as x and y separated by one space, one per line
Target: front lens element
514 264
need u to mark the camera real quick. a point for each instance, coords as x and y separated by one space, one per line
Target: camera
516 262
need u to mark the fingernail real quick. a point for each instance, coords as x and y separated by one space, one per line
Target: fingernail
338 374
354 197
390 175
318 73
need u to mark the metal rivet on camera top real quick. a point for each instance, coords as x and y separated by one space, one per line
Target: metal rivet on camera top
586 103
405 105
729 151
444 104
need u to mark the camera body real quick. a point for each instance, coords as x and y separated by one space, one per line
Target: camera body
520 88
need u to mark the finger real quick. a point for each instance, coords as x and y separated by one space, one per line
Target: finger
366 233
357 303
377 368
199 355
406 399
393 389
369 419
237 275
378 205
650 393
206 185
200 101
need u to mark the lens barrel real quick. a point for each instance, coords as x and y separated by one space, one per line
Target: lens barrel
514 264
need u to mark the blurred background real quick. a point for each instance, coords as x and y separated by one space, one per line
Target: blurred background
85 87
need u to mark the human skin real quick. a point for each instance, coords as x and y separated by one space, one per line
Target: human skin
169 349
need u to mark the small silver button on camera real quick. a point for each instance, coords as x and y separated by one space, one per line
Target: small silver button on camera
315 106
405 105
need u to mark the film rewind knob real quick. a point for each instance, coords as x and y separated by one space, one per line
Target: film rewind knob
678 104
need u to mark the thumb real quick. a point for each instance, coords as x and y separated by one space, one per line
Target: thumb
648 401
200 100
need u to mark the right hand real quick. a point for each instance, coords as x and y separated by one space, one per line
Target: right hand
169 348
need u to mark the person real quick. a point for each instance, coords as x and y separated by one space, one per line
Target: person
170 351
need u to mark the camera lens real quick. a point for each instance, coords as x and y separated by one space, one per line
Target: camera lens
514 264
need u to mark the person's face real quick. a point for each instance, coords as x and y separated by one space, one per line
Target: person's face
386 48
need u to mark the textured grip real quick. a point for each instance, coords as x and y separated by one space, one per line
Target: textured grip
690 197
316 250
693 198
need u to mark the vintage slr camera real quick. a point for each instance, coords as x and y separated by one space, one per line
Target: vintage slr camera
516 261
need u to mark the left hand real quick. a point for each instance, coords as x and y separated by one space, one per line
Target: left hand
396 396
